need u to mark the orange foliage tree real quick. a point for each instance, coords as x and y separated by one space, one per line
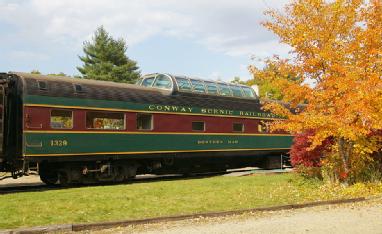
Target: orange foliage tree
336 57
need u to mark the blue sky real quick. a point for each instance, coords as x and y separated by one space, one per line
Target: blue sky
208 39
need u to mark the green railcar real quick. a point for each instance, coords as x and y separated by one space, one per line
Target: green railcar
80 131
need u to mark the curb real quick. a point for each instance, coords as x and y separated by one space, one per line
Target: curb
122 223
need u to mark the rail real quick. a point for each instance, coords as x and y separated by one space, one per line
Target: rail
4 176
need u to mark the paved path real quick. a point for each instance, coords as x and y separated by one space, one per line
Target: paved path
362 218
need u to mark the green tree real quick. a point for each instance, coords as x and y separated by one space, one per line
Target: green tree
105 59
237 80
57 74
36 72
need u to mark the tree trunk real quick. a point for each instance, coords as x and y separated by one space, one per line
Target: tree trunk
345 149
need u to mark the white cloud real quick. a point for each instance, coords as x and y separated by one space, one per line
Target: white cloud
230 27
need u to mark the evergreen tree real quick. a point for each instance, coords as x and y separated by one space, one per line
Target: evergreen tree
35 72
58 74
105 59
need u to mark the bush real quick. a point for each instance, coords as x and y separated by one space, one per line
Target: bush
363 168
302 155
309 172
325 162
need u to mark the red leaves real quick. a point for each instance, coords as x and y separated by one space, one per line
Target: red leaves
300 155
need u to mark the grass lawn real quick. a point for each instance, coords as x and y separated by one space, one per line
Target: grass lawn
143 200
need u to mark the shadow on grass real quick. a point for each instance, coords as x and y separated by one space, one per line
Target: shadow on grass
139 179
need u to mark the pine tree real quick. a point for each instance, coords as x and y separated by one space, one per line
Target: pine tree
105 59
35 72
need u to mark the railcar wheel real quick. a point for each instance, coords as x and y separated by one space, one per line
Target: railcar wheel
49 177
120 173
63 178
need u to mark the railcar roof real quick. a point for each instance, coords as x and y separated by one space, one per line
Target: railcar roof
85 81
197 78
188 84
59 86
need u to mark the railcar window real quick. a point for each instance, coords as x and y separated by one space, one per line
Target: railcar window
42 85
212 88
183 84
236 91
238 127
198 86
144 122
147 82
248 92
78 88
61 119
198 126
163 82
138 82
103 120
224 90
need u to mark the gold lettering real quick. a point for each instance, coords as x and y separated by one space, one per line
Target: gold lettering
59 143
212 111
213 141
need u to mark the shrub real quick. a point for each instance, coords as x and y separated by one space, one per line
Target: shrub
302 155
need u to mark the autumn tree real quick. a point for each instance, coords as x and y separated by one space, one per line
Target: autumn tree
105 59
337 56
266 87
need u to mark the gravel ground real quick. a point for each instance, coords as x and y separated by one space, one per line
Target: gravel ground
364 217
22 181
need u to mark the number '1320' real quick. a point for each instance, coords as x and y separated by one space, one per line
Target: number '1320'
60 143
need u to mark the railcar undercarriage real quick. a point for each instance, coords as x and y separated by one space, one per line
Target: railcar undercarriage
65 173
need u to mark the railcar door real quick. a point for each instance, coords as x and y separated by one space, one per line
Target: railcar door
11 113
2 111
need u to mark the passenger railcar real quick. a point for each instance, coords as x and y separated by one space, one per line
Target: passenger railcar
82 131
